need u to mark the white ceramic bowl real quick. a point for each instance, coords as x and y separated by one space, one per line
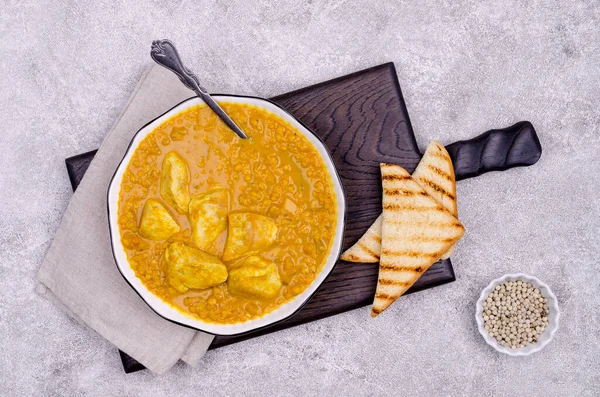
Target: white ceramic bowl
171 313
553 315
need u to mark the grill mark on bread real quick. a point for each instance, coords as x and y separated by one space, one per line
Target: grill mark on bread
420 239
351 257
384 296
388 177
436 187
387 281
396 207
403 269
440 172
367 249
411 254
377 239
439 154
432 224
403 192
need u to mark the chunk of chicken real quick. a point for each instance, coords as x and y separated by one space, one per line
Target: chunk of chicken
156 222
190 268
208 217
175 182
248 233
256 278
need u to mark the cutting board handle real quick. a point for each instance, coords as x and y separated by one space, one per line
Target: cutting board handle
496 150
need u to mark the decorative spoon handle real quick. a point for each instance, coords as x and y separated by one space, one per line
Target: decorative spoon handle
165 54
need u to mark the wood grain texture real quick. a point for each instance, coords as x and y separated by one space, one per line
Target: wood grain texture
363 121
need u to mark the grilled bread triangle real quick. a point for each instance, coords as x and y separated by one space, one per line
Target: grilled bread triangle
435 173
416 230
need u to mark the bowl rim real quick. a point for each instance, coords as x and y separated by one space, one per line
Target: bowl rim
549 331
333 255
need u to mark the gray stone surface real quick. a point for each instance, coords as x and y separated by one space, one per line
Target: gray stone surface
464 66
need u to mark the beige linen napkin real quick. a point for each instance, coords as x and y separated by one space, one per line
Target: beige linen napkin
79 273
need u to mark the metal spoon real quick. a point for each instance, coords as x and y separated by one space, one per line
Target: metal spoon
165 54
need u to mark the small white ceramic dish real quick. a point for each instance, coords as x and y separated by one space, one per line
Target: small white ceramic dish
553 315
171 313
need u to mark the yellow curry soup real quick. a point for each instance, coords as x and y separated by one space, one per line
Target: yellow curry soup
222 228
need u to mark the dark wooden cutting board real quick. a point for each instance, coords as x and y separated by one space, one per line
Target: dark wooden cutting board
363 120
